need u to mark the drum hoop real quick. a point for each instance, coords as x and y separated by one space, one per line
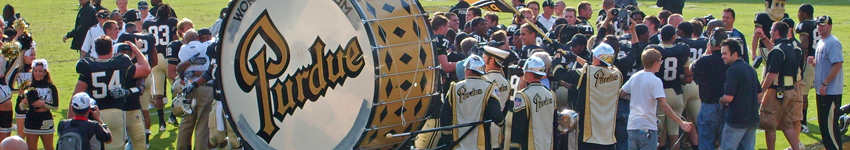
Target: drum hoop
367 22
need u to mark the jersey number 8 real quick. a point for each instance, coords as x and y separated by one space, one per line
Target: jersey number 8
670 68
101 87
161 33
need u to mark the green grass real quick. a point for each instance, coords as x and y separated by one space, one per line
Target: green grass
51 19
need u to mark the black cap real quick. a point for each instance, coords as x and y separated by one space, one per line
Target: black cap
548 3
641 29
475 21
789 21
122 47
204 31
131 16
578 40
143 5
566 33
103 14
808 9
825 19
560 21
667 32
686 27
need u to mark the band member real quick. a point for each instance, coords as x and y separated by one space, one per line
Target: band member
597 100
493 60
473 100
533 110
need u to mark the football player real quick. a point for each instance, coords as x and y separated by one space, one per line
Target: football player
107 72
809 37
148 47
163 28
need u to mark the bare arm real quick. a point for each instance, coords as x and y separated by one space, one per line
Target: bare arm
172 72
444 62
182 66
662 102
81 87
142 66
768 80
726 99
624 95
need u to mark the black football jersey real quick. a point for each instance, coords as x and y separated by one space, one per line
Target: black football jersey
808 28
172 51
698 47
102 75
164 32
673 61
148 41
440 44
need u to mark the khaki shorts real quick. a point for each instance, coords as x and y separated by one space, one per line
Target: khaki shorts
808 79
217 136
780 114
114 118
677 104
155 83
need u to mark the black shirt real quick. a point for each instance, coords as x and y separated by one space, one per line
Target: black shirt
710 74
85 20
172 51
153 11
784 60
674 57
163 31
440 44
102 75
742 83
87 129
807 28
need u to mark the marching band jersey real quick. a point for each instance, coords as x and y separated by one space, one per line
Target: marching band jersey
533 118
473 100
504 88
598 95
674 58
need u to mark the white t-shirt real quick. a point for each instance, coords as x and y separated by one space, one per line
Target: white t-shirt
645 88
547 23
189 50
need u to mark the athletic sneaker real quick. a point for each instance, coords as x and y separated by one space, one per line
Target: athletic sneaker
804 128
802 146
161 128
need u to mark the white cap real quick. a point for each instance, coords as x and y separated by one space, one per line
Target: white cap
605 54
81 101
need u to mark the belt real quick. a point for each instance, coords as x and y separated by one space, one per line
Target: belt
786 87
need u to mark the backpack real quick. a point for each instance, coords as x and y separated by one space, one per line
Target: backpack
70 141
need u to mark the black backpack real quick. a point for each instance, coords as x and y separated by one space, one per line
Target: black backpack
70 141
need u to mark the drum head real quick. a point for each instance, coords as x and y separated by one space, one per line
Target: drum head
298 74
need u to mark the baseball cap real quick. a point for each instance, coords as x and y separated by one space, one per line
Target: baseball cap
567 33
548 3
641 29
604 53
103 14
825 19
131 16
204 31
143 5
474 63
535 65
789 21
460 36
807 8
578 39
82 101
560 21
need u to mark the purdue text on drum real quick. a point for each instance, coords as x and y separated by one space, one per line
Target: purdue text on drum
307 83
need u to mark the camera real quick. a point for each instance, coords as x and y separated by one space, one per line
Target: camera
705 19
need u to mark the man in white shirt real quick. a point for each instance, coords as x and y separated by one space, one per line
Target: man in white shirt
94 32
646 92
546 17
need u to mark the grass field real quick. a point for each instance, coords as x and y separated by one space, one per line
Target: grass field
51 19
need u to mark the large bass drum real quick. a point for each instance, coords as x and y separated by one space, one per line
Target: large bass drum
326 74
